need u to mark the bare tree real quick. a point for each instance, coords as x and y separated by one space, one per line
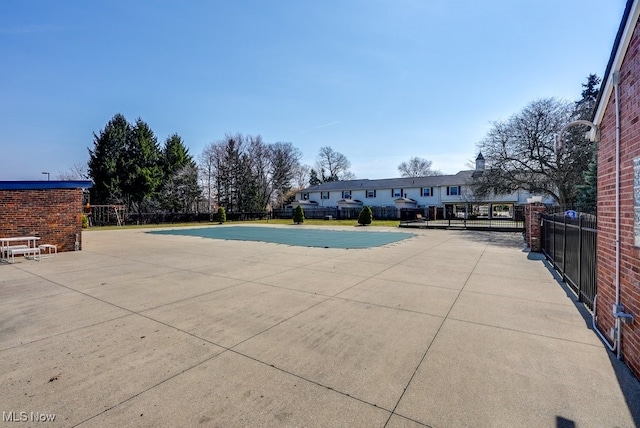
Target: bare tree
520 154
259 159
245 174
332 165
285 161
301 176
180 191
77 171
417 167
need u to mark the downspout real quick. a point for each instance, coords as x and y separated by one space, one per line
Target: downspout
616 87
617 309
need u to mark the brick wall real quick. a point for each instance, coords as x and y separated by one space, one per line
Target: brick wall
630 255
53 214
532 228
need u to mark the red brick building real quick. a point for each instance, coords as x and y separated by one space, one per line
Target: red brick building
618 117
49 209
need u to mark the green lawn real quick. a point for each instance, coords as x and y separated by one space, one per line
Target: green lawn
313 222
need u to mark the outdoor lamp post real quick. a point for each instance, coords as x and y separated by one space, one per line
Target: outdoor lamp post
48 177
593 135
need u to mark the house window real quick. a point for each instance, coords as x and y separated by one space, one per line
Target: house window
427 191
346 194
396 193
453 190
305 196
371 194
324 195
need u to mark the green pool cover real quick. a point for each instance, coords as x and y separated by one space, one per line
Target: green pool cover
301 237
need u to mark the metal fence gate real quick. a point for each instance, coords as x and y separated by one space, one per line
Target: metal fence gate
570 245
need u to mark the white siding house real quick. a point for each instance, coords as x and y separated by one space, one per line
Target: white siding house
441 196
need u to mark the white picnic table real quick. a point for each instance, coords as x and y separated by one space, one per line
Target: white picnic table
26 245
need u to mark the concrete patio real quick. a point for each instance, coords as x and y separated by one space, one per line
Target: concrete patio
445 329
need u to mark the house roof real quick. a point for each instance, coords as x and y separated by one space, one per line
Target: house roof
393 183
42 184
620 45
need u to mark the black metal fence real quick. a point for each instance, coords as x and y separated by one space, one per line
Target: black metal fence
343 213
570 245
495 225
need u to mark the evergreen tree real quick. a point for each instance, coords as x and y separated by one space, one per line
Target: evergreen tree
365 216
298 215
584 107
180 189
106 161
222 215
175 155
314 180
142 166
586 200
588 192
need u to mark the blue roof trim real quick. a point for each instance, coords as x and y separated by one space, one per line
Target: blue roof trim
42 185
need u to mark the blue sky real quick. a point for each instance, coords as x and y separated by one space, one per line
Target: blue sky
377 80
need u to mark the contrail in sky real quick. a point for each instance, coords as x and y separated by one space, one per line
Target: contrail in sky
322 126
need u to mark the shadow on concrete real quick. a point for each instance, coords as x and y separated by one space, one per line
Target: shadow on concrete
629 384
564 422
500 239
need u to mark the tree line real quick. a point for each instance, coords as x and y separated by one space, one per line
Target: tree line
128 166
243 173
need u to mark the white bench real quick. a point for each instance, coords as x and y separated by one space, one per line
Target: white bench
52 250
25 251
7 248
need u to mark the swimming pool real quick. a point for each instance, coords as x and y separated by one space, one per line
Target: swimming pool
297 236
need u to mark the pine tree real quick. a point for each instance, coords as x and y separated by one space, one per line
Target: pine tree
588 192
142 165
180 188
314 180
106 160
365 216
298 215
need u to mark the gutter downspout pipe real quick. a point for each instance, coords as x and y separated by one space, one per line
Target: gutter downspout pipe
618 326
617 308
620 316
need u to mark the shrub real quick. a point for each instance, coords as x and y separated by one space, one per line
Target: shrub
298 215
365 216
222 215
85 221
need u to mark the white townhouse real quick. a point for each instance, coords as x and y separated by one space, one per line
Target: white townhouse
443 196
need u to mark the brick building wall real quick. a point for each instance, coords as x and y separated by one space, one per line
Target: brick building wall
533 226
53 214
630 255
